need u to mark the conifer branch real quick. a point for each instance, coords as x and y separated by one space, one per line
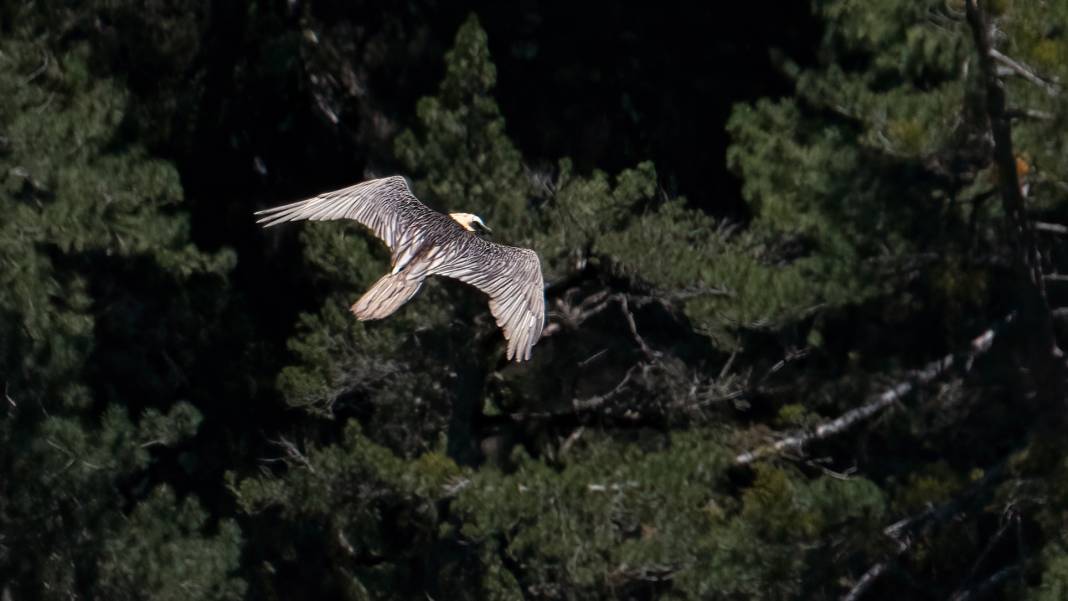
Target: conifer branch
797 441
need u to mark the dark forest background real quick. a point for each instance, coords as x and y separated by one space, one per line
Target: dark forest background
805 269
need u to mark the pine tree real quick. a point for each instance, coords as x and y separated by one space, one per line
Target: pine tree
889 165
81 511
793 406
594 512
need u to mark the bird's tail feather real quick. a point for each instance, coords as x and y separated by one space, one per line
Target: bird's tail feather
386 296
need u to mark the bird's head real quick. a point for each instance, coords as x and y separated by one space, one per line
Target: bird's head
469 221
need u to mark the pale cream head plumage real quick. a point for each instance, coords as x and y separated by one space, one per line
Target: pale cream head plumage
468 220
423 243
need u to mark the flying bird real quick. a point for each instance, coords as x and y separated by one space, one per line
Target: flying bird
424 242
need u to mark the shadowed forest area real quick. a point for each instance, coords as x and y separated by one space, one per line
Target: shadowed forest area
806 279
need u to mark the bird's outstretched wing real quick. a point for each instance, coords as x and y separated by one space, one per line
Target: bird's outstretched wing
386 206
512 278
425 242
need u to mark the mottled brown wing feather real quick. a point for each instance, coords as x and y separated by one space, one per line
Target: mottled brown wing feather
512 278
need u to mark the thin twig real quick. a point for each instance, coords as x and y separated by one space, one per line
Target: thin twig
572 439
963 591
789 357
600 399
45 61
295 453
625 307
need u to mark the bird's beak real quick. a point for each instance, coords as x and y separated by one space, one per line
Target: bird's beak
486 227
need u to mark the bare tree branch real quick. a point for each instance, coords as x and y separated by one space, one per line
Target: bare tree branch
294 453
688 293
963 590
600 399
866 581
1053 228
1023 113
1026 72
796 442
625 307
455 487
574 315
1034 305
987 586
905 532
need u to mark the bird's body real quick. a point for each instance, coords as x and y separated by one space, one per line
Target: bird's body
425 242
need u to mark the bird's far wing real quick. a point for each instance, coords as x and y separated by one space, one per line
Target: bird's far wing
512 279
386 206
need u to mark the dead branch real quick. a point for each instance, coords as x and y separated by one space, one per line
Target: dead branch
45 62
614 487
905 532
866 581
987 586
625 307
455 487
574 315
790 356
600 399
294 453
1035 306
796 442
689 293
1053 228
571 440
1024 113
1023 70
963 591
